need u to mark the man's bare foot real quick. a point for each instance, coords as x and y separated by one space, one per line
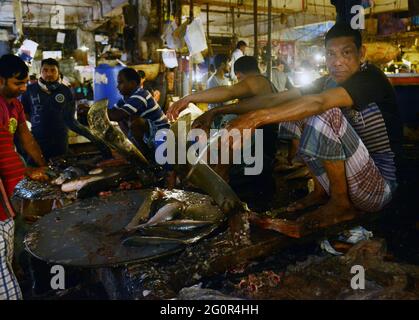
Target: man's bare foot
312 199
286 227
330 214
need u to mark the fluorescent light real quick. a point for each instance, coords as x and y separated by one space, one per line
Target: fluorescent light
166 50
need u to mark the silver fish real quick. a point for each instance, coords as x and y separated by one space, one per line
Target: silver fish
165 213
76 185
144 210
95 171
139 241
183 225
69 174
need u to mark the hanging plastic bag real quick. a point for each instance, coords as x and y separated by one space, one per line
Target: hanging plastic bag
195 37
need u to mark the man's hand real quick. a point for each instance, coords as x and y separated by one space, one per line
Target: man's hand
204 121
243 126
37 174
292 151
176 108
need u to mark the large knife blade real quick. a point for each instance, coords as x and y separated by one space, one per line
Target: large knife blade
101 127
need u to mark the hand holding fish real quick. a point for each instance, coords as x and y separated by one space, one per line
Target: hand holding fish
37 174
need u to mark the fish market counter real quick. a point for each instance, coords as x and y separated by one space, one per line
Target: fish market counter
77 177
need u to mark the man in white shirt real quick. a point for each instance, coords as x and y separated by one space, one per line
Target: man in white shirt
218 79
239 52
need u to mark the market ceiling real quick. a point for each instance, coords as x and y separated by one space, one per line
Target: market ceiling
89 14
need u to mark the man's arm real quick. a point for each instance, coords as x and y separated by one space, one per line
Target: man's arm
30 145
304 107
260 102
297 109
244 89
117 115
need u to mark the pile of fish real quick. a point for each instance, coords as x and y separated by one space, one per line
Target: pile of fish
88 184
126 227
79 177
166 219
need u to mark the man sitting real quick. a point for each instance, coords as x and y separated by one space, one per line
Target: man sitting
251 84
349 131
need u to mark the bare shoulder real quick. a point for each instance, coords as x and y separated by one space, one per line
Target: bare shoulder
259 84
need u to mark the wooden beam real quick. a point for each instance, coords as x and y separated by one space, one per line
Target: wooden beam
242 7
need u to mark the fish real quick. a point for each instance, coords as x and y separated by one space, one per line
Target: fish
187 231
201 175
69 115
109 180
76 185
165 213
101 127
183 225
144 210
95 171
69 174
139 241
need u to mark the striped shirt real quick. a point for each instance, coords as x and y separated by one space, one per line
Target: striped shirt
374 117
142 104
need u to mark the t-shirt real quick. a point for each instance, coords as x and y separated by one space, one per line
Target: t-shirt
142 104
280 80
375 115
11 111
47 117
11 166
236 55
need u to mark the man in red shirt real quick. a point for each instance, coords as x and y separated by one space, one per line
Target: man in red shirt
13 81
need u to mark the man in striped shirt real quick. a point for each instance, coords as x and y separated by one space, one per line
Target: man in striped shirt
349 131
138 114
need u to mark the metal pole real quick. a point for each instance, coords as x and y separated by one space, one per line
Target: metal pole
208 21
255 22
191 65
269 64
208 38
180 74
233 21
